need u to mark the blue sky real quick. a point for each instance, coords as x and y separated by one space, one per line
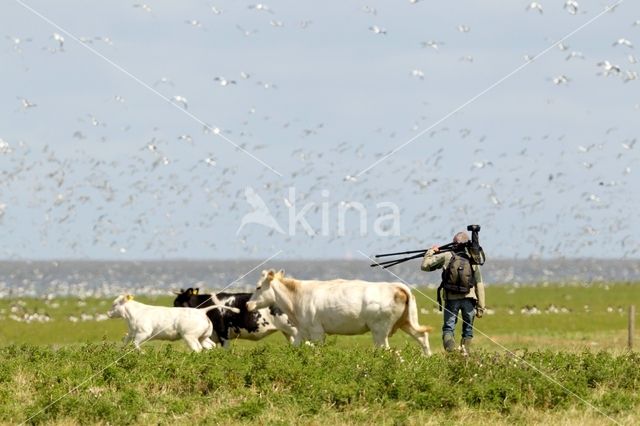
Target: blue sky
103 167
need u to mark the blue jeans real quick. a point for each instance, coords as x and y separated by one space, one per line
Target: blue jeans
467 307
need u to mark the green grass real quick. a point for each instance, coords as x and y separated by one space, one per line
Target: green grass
269 384
63 372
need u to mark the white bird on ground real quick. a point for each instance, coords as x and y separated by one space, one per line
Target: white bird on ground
378 30
464 28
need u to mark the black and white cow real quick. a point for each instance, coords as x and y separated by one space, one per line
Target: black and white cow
228 325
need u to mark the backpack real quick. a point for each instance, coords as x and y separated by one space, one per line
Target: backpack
457 276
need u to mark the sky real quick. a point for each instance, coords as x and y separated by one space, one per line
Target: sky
235 129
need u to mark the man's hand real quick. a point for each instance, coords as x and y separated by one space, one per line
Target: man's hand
433 250
479 312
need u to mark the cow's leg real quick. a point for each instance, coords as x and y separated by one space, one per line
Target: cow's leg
316 334
207 343
380 334
193 343
421 337
140 338
127 338
226 343
285 327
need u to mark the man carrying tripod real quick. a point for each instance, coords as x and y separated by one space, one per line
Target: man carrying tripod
461 283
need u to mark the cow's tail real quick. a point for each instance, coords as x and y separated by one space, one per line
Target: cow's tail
412 312
208 308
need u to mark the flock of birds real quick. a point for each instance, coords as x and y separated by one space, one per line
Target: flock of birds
182 193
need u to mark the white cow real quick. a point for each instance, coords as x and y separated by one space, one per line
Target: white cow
344 307
148 322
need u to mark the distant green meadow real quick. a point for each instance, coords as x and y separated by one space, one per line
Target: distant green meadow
542 354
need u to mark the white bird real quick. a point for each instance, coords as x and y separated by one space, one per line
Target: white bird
369 9
181 100
163 80
26 104
194 23
630 75
622 42
223 81
433 44
216 11
464 28
142 6
534 5
276 23
418 73
632 59
561 79
571 6
60 39
575 54
378 30
16 42
608 68
246 33
260 7
629 145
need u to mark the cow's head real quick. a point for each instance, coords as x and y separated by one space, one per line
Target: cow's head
264 295
184 297
117 308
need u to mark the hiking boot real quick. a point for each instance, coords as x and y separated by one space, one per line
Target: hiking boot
465 344
449 343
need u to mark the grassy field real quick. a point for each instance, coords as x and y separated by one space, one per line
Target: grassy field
566 363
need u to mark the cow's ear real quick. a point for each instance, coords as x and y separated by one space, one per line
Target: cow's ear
196 290
128 297
189 291
271 273
281 273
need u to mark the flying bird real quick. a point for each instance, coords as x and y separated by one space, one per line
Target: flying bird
182 101
378 30
534 5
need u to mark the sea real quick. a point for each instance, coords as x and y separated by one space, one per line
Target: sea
48 279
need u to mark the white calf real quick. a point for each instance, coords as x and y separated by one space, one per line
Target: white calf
148 322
